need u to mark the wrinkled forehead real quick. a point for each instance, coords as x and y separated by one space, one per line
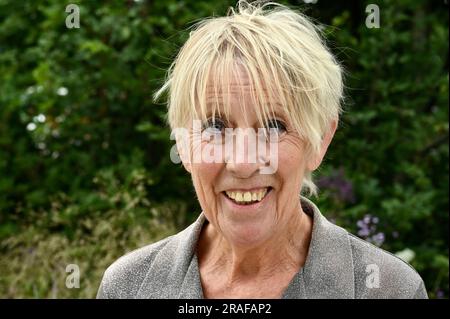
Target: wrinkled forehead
239 91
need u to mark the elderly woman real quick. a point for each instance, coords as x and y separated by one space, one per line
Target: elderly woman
266 92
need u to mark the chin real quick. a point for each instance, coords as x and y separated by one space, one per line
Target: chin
247 234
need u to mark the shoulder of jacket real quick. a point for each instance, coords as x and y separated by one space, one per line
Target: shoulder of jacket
122 279
394 277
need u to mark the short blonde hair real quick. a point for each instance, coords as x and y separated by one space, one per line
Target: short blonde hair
283 54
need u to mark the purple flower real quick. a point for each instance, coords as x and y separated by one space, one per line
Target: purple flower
343 188
367 229
363 232
378 239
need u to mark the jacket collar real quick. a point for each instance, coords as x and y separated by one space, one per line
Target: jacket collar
328 271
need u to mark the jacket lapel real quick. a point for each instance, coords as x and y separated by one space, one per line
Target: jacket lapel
328 271
173 273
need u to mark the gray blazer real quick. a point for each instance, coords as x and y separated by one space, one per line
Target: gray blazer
338 265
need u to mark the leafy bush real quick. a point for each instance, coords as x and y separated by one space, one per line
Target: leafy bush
91 233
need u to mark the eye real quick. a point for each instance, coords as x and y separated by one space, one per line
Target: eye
273 127
214 126
278 125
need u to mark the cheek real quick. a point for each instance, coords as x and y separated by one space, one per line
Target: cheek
204 176
292 163
203 172
291 168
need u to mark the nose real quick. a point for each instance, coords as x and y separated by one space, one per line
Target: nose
241 153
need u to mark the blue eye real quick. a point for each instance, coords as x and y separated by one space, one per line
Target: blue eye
277 125
214 126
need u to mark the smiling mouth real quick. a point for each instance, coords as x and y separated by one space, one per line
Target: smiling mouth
247 197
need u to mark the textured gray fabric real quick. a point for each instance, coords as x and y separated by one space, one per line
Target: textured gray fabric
338 265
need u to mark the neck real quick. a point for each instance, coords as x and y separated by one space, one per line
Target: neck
240 263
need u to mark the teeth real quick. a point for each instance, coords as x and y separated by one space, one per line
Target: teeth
247 197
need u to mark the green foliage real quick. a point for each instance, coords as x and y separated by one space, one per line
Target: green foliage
85 173
393 140
91 231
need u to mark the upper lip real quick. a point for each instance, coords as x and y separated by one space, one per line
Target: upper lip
251 189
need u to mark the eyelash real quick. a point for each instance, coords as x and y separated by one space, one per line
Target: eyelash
278 125
211 122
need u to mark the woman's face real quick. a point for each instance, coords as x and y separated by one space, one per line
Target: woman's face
245 206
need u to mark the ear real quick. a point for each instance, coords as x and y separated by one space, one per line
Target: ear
316 159
183 151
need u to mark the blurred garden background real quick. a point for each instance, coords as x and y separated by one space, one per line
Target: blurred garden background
85 172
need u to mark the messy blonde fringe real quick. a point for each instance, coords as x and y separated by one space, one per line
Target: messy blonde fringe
282 53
